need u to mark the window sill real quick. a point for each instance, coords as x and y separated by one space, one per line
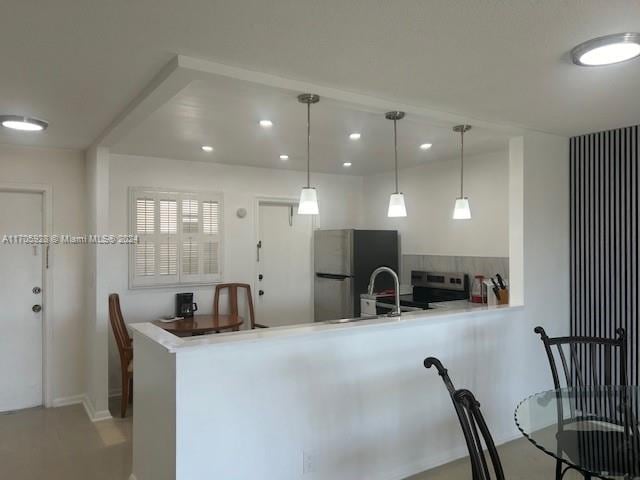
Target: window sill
175 285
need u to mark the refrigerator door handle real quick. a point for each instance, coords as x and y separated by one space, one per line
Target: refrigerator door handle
332 276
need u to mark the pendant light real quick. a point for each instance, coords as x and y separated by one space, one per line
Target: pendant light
308 197
461 210
397 207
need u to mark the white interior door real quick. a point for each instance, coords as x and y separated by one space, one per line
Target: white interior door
284 295
21 326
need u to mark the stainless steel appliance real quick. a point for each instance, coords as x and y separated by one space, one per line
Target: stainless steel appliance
343 261
439 286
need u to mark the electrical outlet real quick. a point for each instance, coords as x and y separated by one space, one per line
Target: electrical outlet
308 462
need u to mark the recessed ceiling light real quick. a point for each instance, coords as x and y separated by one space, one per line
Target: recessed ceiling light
24 124
355 136
284 157
266 123
607 50
347 164
207 148
425 146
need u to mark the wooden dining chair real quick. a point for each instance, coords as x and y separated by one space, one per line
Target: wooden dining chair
233 301
588 362
125 348
474 428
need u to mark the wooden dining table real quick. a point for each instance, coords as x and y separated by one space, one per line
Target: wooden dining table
201 324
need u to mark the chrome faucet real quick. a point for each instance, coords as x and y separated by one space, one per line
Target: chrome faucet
376 272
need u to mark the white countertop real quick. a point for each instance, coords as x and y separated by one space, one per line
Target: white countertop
439 311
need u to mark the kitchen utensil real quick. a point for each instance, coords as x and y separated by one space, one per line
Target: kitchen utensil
496 288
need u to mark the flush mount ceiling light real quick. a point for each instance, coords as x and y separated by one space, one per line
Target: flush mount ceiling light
397 207
607 50
461 209
425 146
266 123
308 196
207 148
355 136
284 157
347 164
24 124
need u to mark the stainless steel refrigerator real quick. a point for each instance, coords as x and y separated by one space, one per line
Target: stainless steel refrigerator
343 262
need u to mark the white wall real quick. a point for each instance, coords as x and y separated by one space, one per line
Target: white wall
340 198
430 191
63 170
358 400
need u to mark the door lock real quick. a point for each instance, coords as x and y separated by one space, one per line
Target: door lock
36 290
260 277
36 308
260 292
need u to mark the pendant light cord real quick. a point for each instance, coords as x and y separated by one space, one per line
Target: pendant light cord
308 145
461 162
395 149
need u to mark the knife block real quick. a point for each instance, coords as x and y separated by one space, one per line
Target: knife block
504 297
491 297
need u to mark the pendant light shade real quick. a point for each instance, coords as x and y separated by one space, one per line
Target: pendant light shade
308 204
397 206
461 209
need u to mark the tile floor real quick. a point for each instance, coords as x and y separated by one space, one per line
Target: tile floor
520 461
62 444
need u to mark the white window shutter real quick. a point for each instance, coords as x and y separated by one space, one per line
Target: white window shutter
145 259
190 238
145 250
168 244
211 237
180 238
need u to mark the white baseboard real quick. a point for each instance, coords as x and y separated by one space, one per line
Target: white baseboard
94 416
65 401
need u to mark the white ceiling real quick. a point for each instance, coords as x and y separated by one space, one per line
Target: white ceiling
78 64
224 113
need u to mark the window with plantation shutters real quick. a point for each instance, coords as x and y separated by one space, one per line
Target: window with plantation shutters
179 237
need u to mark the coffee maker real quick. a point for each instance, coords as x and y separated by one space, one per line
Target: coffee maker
184 305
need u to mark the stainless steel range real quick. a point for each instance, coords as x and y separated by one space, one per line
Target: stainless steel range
429 287
439 287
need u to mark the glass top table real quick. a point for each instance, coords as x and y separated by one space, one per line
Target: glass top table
591 429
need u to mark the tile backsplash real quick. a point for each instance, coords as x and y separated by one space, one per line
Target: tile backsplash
487 266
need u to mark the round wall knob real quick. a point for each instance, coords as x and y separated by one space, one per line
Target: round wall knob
36 308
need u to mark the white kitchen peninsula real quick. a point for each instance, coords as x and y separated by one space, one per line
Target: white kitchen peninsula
331 400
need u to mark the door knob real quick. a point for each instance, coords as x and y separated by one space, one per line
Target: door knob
36 308
260 292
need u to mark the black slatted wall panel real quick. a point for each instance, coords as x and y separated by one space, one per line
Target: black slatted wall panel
604 237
